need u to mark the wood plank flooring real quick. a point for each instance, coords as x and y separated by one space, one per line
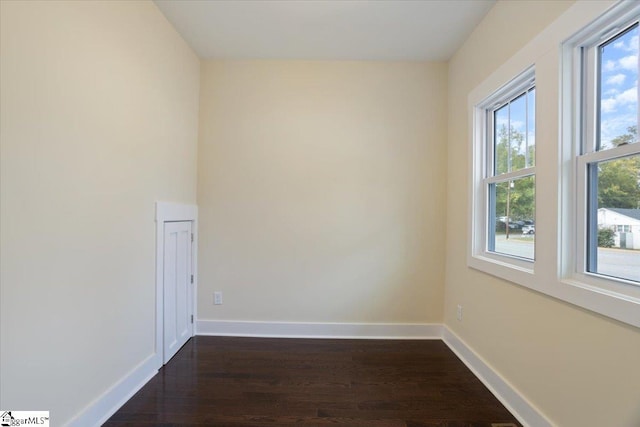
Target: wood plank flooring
218 381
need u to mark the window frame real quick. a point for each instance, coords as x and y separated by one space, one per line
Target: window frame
554 266
506 266
579 124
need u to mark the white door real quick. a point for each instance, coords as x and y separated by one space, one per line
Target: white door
177 282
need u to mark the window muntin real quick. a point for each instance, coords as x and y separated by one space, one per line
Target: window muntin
510 181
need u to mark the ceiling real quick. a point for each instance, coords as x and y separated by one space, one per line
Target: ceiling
426 30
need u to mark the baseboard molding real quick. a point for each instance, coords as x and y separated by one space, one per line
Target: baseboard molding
319 330
102 408
522 409
99 411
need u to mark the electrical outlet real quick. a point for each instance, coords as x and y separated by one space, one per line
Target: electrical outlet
459 313
217 298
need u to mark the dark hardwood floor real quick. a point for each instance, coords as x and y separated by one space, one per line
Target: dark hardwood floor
218 381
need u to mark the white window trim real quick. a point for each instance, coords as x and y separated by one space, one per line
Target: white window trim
617 298
555 242
508 267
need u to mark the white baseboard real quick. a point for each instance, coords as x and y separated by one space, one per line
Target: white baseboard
319 330
522 409
102 408
99 411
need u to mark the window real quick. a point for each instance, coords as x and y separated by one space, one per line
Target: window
624 228
504 151
567 169
605 72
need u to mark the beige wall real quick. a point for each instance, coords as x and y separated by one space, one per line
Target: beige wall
99 108
321 190
578 368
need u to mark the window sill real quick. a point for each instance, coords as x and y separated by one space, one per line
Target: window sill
518 271
611 298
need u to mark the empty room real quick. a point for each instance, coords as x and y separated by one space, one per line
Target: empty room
314 212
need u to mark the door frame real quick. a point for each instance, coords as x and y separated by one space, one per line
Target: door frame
172 212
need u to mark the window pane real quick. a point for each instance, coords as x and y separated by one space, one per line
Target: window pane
518 131
616 249
514 134
530 141
512 207
501 140
618 91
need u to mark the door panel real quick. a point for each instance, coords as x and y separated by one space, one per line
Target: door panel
178 305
